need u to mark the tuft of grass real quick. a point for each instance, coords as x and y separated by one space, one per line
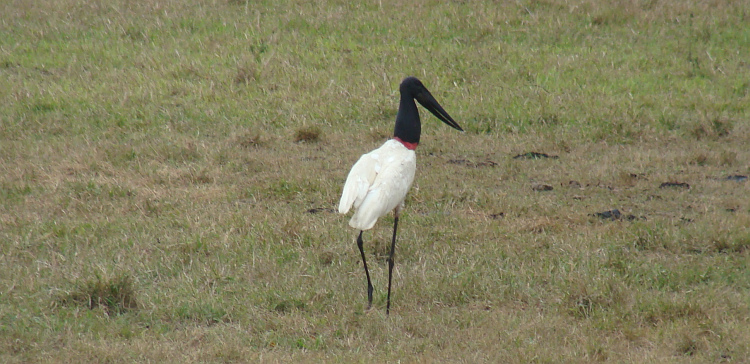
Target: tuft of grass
713 129
287 305
664 311
307 134
251 140
115 295
326 258
247 75
688 345
201 313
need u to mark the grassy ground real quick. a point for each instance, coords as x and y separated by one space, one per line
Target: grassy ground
168 171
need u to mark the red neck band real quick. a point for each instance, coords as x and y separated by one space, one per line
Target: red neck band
410 146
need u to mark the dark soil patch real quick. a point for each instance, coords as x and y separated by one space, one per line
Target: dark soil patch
497 216
539 187
737 178
316 210
535 155
675 184
615 214
468 163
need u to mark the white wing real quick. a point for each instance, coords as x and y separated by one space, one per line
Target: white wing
359 181
378 183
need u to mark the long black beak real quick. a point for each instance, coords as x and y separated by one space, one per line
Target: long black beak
428 101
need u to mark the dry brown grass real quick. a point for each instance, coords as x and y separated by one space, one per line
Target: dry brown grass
169 173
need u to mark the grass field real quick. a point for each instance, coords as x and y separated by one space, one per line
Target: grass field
169 170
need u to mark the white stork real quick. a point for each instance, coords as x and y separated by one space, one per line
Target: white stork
379 181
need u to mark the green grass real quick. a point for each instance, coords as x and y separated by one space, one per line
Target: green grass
169 171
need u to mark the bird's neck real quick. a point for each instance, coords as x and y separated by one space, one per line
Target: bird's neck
408 128
409 146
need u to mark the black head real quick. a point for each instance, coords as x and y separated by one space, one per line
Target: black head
411 86
407 120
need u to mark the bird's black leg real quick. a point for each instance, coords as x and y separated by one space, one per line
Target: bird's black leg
367 272
390 264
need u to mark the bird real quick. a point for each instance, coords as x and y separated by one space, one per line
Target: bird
379 181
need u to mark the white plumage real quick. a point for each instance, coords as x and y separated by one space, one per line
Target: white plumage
378 183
